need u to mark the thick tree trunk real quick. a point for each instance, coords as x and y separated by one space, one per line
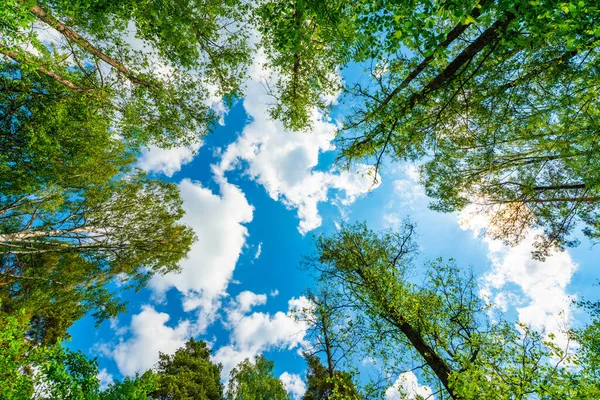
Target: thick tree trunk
437 364
482 41
433 360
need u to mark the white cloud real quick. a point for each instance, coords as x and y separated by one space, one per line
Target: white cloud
149 336
408 194
114 326
293 384
167 161
105 378
206 272
541 299
242 304
252 334
285 162
407 387
274 293
246 300
258 251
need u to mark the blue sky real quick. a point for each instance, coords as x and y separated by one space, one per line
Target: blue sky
255 195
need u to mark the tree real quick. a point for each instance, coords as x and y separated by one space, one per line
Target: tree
589 338
296 37
164 108
440 326
74 213
497 98
321 385
331 336
28 371
136 388
61 248
188 374
255 381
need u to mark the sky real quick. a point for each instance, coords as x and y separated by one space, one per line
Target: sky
256 195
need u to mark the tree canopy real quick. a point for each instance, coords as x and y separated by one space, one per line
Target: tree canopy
188 374
442 325
255 381
160 95
495 99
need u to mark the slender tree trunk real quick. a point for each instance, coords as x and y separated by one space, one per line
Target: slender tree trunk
450 37
27 235
326 339
482 41
23 60
561 187
589 199
67 32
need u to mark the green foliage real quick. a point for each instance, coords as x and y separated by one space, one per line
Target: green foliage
322 386
589 337
28 371
255 381
62 247
74 214
158 94
497 97
189 374
137 388
440 322
296 38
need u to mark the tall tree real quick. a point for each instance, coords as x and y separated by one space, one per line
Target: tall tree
331 337
255 381
323 384
297 37
161 92
28 371
441 326
188 374
73 212
62 246
497 97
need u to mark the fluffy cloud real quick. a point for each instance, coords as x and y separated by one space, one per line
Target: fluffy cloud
167 161
285 162
242 305
253 333
293 384
105 378
206 272
537 289
407 387
149 336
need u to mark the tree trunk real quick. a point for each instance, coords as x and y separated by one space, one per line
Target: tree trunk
67 32
439 367
22 60
451 37
326 339
433 360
